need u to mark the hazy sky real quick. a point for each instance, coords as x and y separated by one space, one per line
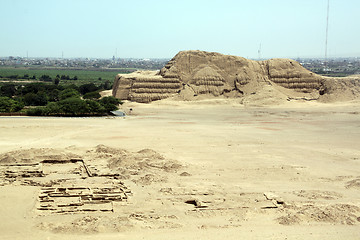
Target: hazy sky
159 29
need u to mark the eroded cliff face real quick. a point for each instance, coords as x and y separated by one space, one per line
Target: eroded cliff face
208 73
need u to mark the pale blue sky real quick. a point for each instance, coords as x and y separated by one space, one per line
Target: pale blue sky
159 29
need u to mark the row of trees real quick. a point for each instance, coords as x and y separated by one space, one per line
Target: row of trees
49 92
56 80
44 77
26 76
52 99
74 106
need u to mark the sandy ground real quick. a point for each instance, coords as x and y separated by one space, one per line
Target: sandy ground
210 170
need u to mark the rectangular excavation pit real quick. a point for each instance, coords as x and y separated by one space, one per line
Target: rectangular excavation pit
11 172
81 199
51 169
65 167
67 186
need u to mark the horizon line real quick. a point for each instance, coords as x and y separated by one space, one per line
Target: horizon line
165 58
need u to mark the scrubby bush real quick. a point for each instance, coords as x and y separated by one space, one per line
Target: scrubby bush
38 111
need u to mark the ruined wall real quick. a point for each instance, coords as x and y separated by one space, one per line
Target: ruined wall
145 86
215 74
290 74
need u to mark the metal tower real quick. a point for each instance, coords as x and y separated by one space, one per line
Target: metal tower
259 53
327 31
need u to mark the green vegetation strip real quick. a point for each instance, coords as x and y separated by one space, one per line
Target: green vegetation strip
50 99
82 76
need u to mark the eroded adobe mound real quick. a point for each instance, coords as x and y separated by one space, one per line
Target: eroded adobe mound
198 73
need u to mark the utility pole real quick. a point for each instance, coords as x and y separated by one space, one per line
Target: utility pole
259 53
327 31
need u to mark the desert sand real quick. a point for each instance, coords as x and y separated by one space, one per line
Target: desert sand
205 169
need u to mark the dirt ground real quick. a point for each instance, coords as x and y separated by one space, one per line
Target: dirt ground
211 169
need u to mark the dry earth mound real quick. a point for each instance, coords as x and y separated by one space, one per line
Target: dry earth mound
193 73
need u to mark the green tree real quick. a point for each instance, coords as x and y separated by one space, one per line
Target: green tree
92 95
107 85
13 76
36 99
8 90
10 105
73 86
110 103
95 107
53 95
45 78
18 105
111 99
89 87
52 108
57 81
73 106
69 93
5 104
31 88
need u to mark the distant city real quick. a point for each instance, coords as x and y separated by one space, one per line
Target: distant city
84 63
333 66
339 67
